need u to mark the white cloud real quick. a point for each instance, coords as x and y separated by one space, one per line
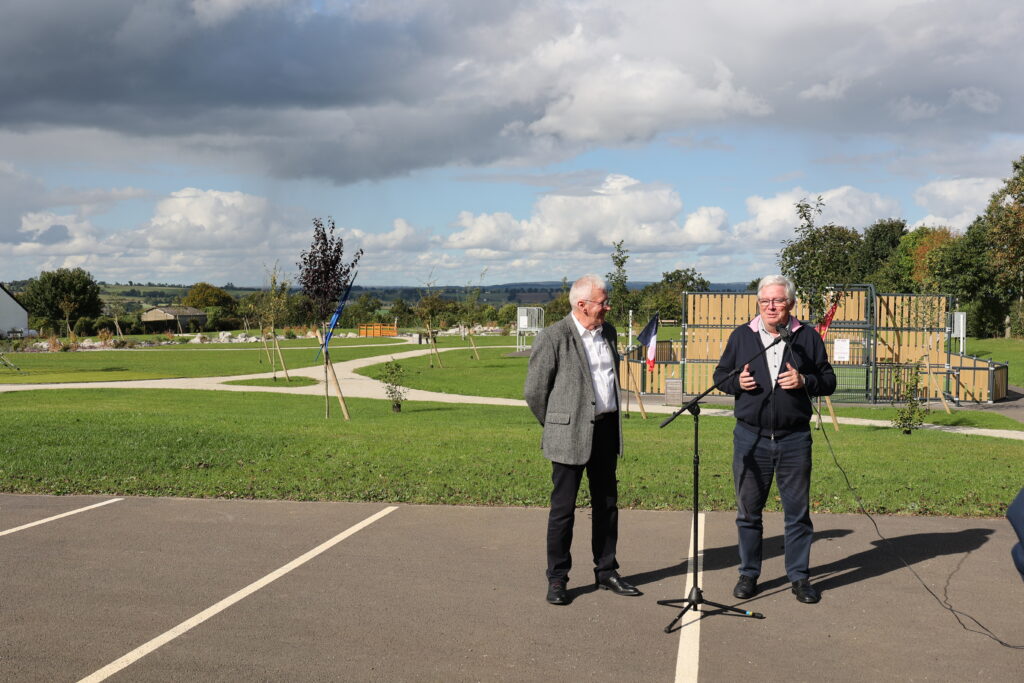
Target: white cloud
402 237
774 219
834 89
954 203
644 215
210 219
213 12
619 98
979 99
908 109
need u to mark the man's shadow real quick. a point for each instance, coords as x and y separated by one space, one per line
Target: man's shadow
726 556
888 556
884 557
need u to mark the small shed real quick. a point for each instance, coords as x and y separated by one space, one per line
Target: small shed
13 316
168 317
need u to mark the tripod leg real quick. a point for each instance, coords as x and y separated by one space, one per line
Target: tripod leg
682 613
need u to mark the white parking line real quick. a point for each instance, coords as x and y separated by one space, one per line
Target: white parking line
688 655
64 514
187 625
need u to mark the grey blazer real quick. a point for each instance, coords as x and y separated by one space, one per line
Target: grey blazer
560 391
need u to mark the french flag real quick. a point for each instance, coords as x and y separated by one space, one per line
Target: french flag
649 338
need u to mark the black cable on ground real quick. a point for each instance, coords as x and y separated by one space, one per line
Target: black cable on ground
959 615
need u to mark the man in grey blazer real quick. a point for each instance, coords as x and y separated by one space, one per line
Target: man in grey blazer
572 388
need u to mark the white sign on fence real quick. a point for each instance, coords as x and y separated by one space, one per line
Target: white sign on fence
841 350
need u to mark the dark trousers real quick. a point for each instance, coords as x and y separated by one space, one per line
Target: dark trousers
755 460
565 480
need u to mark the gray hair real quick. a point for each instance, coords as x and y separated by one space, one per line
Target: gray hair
770 280
584 286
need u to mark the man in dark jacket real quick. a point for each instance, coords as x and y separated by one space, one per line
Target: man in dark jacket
772 436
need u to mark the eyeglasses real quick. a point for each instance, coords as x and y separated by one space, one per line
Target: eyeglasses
768 302
607 303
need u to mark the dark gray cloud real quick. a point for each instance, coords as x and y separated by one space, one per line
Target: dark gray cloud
54 234
382 88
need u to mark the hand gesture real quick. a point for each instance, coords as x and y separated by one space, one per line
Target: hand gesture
790 379
747 381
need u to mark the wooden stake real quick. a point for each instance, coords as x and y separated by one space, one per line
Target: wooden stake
277 345
473 344
835 421
433 346
263 338
636 390
337 388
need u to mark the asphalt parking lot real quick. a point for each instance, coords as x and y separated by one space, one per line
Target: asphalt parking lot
158 589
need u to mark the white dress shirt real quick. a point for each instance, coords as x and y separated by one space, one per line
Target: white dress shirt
602 369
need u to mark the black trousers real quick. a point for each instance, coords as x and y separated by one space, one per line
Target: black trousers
604 497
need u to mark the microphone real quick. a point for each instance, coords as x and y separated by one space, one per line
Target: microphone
785 334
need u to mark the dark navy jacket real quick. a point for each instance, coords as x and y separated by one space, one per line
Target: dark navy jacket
770 410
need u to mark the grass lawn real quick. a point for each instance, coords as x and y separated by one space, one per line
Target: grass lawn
278 381
496 374
255 445
162 362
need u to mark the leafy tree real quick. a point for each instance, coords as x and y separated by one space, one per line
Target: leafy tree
897 273
434 312
63 294
361 311
204 295
403 311
879 241
1004 216
323 272
963 267
507 315
618 291
665 297
820 260
557 308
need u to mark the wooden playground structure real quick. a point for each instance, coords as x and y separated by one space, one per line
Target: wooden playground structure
875 343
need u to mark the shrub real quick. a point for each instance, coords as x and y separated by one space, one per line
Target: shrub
1017 319
104 323
392 376
85 326
910 415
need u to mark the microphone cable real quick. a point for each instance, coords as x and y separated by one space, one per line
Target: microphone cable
943 602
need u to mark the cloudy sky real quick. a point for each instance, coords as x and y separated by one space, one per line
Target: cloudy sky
458 140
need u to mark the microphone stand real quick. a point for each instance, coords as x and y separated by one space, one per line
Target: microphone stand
696 595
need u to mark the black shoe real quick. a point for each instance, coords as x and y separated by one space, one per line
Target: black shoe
557 594
618 585
805 592
745 588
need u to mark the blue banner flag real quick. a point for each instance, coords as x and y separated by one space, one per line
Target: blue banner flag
649 338
337 314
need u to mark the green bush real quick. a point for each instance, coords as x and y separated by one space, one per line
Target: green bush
985 318
1017 320
85 326
105 322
